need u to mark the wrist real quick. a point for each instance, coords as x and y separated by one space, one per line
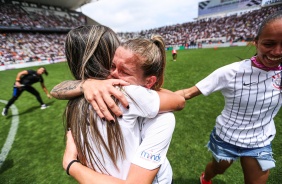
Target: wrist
81 87
69 166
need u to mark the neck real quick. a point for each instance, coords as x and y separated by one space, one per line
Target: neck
262 66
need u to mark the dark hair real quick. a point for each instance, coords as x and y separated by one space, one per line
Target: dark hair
272 17
45 70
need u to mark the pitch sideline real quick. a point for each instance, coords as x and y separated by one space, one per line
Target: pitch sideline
12 133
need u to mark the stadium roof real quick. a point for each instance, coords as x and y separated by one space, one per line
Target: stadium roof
69 4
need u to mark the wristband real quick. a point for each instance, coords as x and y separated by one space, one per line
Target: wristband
68 168
18 80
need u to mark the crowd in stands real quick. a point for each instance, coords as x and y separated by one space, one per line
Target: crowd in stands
29 46
237 27
27 17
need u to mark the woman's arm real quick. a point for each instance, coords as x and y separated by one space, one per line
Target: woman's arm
170 101
85 175
136 175
67 89
97 92
18 78
45 90
189 92
24 72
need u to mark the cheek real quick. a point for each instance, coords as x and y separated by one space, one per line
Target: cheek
113 72
261 50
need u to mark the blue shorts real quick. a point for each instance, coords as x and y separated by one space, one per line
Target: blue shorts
222 150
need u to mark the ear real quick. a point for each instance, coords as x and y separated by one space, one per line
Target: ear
150 81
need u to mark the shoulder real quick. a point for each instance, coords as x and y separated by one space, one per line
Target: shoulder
31 72
138 91
233 67
229 71
220 78
143 101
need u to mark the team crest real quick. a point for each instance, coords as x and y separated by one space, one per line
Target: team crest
276 81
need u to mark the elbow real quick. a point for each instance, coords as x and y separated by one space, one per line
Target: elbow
181 105
54 94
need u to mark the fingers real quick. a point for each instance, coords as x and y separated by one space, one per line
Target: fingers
95 98
101 109
120 82
118 94
121 98
99 94
70 151
112 106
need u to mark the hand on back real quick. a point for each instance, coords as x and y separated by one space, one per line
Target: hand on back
99 94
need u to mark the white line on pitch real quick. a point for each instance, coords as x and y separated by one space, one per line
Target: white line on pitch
12 133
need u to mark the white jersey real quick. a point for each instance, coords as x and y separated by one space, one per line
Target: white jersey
252 99
156 135
142 103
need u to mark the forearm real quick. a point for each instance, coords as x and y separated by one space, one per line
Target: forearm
45 90
84 175
170 101
18 78
67 89
189 92
136 175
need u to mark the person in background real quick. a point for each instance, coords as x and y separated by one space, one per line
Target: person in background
110 150
24 81
252 92
174 54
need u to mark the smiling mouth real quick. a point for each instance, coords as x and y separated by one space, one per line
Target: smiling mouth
273 59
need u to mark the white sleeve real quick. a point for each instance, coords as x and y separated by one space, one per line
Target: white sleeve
156 136
143 102
217 80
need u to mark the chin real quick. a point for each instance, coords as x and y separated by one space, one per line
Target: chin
269 63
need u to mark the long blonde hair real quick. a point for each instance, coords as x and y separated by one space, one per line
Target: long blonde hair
89 52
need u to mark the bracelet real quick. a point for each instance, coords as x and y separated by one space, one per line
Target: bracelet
68 168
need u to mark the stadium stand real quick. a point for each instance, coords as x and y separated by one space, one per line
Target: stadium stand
32 32
233 28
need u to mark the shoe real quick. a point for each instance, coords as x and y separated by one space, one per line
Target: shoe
5 112
44 106
203 181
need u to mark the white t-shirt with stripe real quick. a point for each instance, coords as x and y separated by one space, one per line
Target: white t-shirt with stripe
252 99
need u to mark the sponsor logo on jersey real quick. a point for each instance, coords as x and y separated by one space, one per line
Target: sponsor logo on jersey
149 155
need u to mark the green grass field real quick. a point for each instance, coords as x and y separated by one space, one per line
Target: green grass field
36 153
